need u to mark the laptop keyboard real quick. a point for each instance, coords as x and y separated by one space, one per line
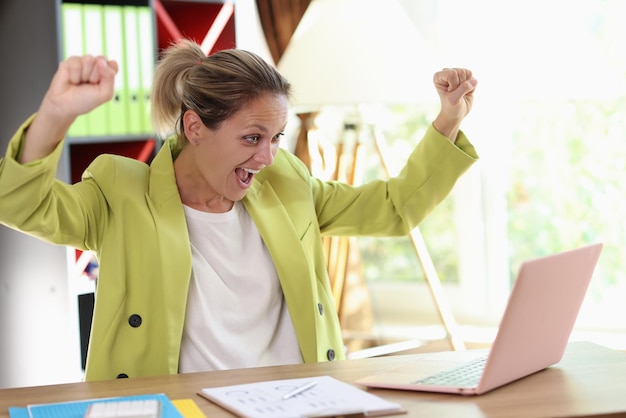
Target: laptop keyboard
465 375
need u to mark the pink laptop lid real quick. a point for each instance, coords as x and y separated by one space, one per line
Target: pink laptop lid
533 333
540 315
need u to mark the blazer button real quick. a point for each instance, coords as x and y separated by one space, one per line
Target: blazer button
122 376
320 308
330 354
134 320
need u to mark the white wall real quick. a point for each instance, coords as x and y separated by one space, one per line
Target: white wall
35 344
248 29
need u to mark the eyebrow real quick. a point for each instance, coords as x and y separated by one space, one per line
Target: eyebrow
263 128
257 126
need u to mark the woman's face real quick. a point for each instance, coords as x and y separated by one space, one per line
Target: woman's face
228 158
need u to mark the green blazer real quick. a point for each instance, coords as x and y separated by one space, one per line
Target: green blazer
130 214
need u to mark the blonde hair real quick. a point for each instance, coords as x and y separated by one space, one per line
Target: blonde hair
214 86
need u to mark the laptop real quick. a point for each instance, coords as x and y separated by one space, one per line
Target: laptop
533 332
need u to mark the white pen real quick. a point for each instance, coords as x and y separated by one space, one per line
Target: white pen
300 389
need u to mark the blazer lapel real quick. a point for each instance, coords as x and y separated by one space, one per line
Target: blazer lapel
174 248
283 242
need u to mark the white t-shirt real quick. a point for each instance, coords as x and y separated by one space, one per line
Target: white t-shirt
236 312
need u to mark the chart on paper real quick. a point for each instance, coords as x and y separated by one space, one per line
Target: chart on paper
325 397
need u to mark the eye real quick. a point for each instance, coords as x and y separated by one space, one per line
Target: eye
278 136
252 139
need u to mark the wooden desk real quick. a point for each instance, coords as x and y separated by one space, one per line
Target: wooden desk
589 381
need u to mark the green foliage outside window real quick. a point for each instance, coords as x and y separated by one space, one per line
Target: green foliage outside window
565 188
567 181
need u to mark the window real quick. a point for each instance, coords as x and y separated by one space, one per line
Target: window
549 122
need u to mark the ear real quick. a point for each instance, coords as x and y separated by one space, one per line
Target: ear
193 126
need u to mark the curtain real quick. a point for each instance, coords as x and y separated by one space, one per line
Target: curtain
279 19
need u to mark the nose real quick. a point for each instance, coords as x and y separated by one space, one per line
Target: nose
265 153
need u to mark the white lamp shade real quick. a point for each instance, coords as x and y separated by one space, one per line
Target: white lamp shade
347 52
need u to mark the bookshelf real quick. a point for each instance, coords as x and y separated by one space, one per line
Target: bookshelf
45 275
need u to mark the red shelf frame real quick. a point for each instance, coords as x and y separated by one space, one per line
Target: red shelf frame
83 154
210 24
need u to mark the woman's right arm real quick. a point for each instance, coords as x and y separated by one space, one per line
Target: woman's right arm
79 85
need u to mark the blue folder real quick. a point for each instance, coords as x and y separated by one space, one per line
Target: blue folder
77 409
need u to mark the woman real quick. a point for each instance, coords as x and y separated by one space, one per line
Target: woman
211 256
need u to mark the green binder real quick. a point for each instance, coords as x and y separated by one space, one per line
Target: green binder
72 32
117 108
93 35
132 73
147 52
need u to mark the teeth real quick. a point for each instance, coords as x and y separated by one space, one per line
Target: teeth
251 171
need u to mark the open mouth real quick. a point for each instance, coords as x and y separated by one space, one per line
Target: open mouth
245 175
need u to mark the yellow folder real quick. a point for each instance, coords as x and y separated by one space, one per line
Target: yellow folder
72 32
133 71
117 111
147 60
93 31
188 408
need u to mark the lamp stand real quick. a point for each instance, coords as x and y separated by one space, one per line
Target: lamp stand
421 251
